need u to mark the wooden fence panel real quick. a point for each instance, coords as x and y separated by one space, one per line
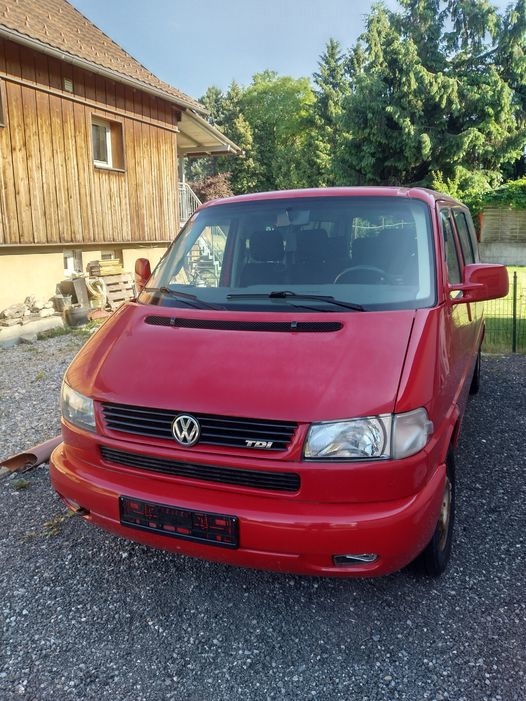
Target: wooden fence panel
503 225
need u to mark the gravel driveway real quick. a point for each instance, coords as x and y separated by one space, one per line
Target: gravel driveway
85 615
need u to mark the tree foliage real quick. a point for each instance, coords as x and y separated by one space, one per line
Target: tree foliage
331 88
430 100
433 93
213 187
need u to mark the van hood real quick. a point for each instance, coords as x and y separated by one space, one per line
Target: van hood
182 361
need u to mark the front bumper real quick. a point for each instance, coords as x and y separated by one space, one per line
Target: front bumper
280 533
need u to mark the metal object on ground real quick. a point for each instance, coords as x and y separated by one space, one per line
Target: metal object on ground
30 458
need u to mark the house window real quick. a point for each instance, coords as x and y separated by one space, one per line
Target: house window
108 148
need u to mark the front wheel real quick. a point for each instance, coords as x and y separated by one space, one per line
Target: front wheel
434 559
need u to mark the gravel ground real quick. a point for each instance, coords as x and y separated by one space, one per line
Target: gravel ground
85 615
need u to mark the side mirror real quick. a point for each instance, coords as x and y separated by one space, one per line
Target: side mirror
142 273
481 281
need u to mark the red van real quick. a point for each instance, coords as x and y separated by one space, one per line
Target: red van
287 389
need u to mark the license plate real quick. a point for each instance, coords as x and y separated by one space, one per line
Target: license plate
199 526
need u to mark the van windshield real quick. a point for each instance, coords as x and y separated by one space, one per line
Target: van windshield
312 253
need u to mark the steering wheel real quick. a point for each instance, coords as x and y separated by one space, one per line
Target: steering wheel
364 274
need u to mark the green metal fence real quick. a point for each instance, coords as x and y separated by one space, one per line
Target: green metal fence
506 318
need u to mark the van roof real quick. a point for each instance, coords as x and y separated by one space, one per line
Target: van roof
421 193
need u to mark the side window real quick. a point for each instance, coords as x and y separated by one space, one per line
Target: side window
452 261
464 235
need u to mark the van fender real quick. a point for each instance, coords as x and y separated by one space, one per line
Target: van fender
449 432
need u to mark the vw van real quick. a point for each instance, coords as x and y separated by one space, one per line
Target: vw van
287 388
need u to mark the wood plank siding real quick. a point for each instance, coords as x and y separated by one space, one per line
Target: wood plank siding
51 191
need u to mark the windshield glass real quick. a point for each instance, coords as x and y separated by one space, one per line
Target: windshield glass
311 253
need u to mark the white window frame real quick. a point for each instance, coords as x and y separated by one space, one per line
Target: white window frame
103 124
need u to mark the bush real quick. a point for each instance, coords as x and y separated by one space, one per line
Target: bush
212 187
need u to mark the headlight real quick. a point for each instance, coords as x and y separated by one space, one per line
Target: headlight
77 409
374 437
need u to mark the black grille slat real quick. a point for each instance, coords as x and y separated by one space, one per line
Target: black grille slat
227 431
256 479
234 325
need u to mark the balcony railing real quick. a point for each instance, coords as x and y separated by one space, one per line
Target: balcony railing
188 202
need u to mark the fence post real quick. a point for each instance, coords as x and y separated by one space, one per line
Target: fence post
514 318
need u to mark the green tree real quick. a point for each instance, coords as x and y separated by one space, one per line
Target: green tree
199 169
331 86
277 110
270 120
511 57
429 103
394 116
225 113
424 19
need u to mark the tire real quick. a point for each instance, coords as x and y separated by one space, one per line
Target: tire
435 557
475 381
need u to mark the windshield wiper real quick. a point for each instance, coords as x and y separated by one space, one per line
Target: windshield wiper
186 297
288 294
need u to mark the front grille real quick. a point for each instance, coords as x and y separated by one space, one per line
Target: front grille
227 431
256 479
233 325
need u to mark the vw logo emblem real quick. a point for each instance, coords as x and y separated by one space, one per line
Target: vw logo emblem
186 430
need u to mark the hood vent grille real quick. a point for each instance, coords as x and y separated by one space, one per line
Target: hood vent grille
220 325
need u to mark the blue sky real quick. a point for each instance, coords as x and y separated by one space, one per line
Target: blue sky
193 45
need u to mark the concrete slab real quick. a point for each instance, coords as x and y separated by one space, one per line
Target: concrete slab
13 335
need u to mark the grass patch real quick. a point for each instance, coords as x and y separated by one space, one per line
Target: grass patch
50 528
20 484
53 333
84 331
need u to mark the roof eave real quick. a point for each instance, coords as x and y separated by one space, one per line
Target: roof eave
212 140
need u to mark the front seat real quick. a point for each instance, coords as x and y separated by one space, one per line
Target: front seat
265 264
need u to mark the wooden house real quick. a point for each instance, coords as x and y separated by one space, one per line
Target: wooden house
91 148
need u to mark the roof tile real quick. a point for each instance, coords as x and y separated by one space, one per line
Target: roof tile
59 25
